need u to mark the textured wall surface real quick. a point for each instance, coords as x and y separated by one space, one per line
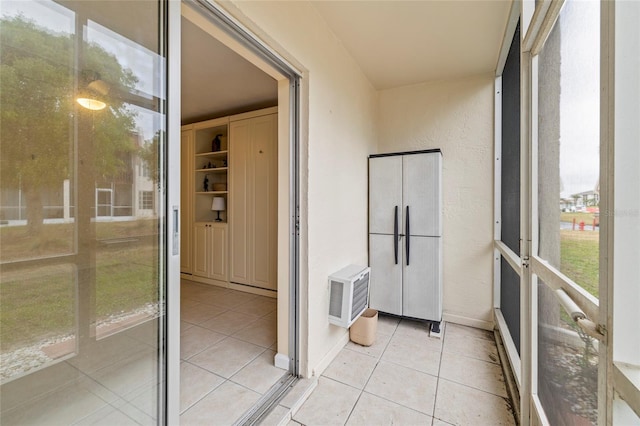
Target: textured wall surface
338 133
457 117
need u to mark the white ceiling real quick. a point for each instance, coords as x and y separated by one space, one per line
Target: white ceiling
217 81
398 43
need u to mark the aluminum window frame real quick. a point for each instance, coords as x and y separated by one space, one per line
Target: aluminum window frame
535 39
614 378
500 249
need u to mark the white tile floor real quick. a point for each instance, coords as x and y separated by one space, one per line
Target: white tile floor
227 350
228 343
113 383
408 378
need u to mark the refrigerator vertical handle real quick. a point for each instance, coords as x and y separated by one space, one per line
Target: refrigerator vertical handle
408 236
395 235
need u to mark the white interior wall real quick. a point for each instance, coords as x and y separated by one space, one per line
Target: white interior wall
457 117
338 132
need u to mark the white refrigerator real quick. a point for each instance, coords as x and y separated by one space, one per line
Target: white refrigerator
405 234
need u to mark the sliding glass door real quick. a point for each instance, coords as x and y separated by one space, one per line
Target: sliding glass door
82 212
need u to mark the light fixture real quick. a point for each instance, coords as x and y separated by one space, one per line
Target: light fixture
218 205
96 89
92 104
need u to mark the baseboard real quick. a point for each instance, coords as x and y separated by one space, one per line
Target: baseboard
509 346
203 280
253 290
335 350
282 361
230 285
470 322
509 379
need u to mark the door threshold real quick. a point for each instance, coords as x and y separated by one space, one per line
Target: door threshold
263 406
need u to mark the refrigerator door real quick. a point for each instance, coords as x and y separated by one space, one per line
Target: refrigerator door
386 276
421 292
385 193
421 192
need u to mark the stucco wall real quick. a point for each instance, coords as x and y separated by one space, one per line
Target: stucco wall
457 117
338 133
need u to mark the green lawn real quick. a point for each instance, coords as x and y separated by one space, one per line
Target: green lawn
16 243
38 305
579 217
40 301
579 254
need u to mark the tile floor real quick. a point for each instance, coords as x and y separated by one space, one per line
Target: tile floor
228 342
228 345
113 383
408 378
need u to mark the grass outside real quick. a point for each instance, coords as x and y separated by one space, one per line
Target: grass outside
578 216
579 254
40 302
38 306
57 239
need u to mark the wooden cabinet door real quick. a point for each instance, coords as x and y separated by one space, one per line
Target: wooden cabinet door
263 203
253 154
240 195
186 201
218 248
200 253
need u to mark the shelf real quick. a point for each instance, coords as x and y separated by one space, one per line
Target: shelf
212 192
212 154
213 170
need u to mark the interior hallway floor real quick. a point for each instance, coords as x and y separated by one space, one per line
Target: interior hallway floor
406 378
227 349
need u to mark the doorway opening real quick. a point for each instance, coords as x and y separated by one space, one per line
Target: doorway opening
238 260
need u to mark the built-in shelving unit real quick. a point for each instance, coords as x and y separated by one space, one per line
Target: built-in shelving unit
210 172
240 250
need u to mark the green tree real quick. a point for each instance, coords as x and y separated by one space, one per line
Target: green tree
149 153
39 118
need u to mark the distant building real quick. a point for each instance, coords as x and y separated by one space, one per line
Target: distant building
129 194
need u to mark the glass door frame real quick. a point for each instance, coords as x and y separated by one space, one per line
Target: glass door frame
290 79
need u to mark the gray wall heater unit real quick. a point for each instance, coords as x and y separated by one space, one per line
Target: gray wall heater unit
349 294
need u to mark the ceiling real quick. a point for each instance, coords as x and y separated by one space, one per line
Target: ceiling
396 43
217 81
